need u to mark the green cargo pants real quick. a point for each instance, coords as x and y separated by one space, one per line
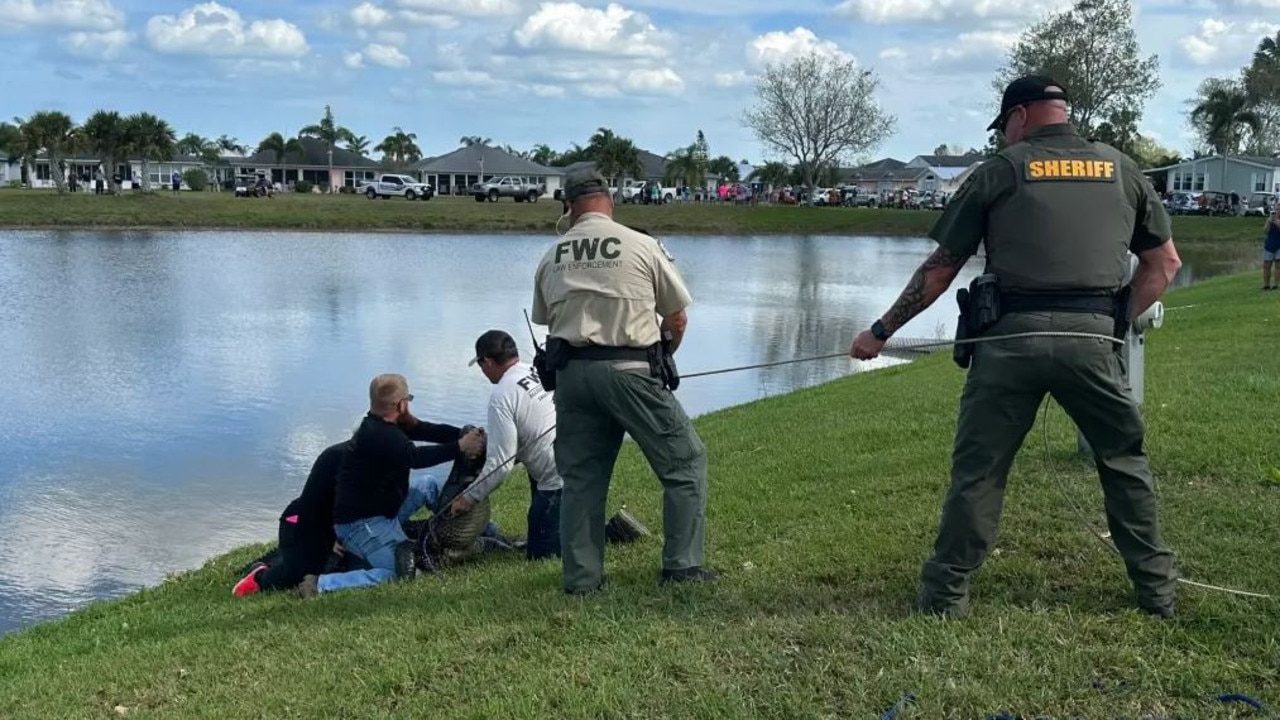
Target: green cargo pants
1007 382
596 402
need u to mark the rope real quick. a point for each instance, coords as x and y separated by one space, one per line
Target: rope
912 345
1082 516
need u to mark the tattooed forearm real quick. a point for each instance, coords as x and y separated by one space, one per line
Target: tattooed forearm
928 282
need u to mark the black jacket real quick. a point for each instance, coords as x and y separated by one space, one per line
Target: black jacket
373 479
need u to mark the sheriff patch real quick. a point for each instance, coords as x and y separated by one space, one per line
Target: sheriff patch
1084 170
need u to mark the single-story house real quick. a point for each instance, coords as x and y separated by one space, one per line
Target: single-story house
886 176
10 169
948 171
1240 174
84 169
312 165
653 167
453 173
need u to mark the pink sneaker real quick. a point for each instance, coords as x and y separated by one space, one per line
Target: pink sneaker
248 585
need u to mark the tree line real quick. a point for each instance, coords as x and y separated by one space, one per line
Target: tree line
817 114
1241 113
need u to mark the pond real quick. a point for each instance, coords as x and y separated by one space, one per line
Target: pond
165 393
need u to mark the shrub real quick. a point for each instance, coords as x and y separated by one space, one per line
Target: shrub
196 179
302 186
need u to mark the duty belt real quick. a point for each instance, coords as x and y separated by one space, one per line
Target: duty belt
1061 302
608 352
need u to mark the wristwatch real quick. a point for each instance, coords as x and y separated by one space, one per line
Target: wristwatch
877 329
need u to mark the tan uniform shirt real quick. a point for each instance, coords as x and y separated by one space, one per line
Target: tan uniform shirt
603 282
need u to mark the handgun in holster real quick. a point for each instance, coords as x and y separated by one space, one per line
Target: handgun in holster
662 363
979 311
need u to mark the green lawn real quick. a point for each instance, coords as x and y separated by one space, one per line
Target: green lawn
44 208
824 503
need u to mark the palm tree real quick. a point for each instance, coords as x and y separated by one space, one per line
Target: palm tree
772 174
358 144
683 166
723 168
330 133
615 157
191 144
231 145
276 144
542 154
150 138
469 140
105 134
1223 114
24 148
54 132
399 147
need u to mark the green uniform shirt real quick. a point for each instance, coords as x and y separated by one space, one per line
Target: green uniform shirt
1055 212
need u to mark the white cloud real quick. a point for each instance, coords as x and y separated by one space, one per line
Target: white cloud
662 81
393 37
353 60
894 53
737 78
902 11
367 14
471 8
984 44
97 45
614 30
779 46
465 78
546 91
440 22
95 15
1219 43
385 55
212 29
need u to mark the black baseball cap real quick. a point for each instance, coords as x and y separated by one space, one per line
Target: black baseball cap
494 344
1024 90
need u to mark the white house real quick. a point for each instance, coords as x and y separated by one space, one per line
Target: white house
1240 174
946 172
10 170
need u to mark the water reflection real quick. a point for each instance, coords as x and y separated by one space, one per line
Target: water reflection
165 393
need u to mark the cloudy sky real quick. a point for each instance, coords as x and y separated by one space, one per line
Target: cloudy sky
533 71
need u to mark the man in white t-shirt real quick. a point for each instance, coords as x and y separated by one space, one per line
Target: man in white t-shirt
521 428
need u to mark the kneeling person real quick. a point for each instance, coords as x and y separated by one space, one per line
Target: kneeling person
374 497
522 418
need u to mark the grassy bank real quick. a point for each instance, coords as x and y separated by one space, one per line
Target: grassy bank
823 505
35 208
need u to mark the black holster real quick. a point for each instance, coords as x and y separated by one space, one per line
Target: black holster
962 352
546 361
662 363
1124 305
979 311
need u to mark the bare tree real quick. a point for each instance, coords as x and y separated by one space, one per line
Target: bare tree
818 111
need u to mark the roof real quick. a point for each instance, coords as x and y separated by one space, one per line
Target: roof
883 164
950 173
496 162
946 161
1252 160
315 153
886 171
654 166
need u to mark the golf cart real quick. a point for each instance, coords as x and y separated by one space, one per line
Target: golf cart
254 186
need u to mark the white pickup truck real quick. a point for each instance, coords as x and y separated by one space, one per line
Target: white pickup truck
389 186
637 191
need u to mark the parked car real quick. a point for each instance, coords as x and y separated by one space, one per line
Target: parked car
389 186
512 187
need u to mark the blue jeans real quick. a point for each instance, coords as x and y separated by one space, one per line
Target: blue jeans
375 539
544 524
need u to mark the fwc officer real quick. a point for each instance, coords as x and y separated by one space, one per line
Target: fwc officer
1058 215
598 289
